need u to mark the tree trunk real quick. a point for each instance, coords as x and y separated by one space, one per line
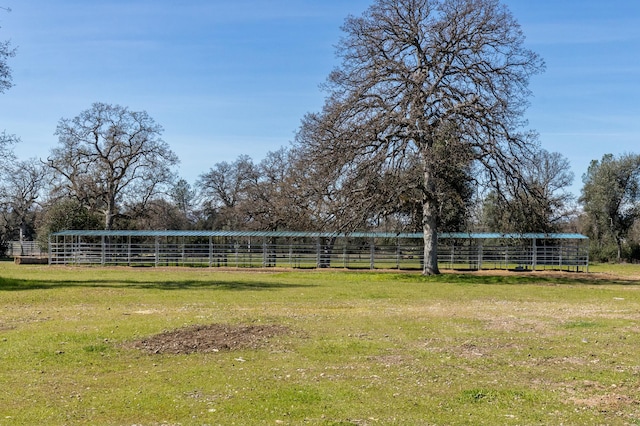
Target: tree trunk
326 251
110 211
429 224
430 240
108 217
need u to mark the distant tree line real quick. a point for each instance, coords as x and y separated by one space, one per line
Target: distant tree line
115 172
421 131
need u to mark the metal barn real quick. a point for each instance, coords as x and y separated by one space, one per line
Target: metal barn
358 250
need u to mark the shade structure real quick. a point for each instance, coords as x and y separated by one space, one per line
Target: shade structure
294 249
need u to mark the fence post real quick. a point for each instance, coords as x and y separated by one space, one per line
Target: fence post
587 266
452 257
183 253
506 257
210 251
372 250
534 259
345 255
264 253
290 254
102 251
157 249
560 254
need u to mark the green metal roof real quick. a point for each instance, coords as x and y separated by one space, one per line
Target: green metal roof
296 234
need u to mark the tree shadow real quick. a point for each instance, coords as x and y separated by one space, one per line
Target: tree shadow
524 279
14 284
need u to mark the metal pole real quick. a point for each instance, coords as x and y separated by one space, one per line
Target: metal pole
210 251
157 249
372 250
264 253
347 259
102 255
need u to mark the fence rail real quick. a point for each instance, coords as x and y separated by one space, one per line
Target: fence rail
353 253
24 248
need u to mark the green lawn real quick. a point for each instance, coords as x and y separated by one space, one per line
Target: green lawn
365 348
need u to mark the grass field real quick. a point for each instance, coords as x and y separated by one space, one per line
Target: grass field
356 348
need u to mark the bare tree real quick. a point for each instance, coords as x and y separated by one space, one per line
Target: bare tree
411 71
543 204
7 141
20 191
158 214
224 187
263 196
6 52
109 156
276 199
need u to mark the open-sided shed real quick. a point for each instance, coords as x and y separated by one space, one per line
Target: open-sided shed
317 249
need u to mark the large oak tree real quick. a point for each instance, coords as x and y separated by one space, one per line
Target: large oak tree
109 156
416 74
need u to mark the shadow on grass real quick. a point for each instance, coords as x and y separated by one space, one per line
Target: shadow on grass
12 284
519 279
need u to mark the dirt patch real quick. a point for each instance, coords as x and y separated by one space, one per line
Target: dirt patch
606 402
210 338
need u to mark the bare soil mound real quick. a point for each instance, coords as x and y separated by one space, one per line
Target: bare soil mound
210 338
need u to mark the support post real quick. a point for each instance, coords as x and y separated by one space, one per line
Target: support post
453 255
372 250
210 252
102 254
534 258
345 254
265 254
157 250
290 254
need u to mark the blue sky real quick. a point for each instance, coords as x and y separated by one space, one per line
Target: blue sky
226 78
